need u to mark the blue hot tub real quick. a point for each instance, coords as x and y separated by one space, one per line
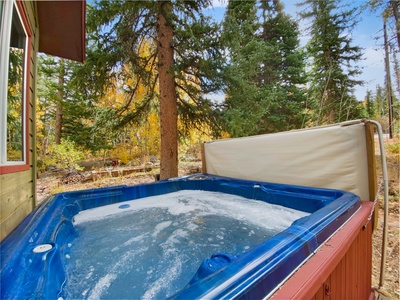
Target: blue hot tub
38 256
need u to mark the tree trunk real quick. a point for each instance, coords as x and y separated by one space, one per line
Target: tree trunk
396 70
168 98
395 8
389 92
58 127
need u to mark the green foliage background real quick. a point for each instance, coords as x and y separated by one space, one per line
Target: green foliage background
253 56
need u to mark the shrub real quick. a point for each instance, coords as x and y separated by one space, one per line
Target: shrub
65 155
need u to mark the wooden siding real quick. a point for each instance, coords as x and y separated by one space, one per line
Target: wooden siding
16 199
33 99
18 189
341 269
372 178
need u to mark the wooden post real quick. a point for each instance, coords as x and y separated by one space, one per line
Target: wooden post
203 159
372 179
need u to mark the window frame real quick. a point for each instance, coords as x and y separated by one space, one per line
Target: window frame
8 7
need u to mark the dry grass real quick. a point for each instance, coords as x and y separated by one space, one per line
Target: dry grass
49 183
391 287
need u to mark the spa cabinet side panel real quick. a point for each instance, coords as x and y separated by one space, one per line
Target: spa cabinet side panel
341 269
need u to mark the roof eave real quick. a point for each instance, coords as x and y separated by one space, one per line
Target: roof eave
62 28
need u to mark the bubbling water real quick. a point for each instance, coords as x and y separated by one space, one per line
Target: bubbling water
151 247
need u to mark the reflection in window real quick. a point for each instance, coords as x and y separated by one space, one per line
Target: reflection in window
15 103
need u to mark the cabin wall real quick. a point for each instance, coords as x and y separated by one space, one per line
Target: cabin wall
18 189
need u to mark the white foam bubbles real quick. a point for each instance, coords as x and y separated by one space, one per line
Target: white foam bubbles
152 248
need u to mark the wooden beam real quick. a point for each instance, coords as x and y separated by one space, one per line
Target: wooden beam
371 161
62 28
203 159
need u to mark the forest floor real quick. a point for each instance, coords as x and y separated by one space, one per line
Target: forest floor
50 182
391 285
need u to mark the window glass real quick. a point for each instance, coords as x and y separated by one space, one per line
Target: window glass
15 91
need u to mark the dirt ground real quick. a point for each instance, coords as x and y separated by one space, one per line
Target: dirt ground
391 286
49 183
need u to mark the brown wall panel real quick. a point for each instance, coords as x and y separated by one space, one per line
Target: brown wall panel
349 278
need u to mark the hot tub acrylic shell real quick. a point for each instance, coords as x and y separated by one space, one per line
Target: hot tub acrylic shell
254 274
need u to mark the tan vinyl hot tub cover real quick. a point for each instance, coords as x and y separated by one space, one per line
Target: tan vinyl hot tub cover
333 156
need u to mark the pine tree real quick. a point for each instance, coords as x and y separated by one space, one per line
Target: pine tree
389 11
381 107
66 111
333 60
170 48
369 105
265 91
283 77
243 106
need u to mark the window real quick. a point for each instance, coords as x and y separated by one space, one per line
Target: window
13 88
